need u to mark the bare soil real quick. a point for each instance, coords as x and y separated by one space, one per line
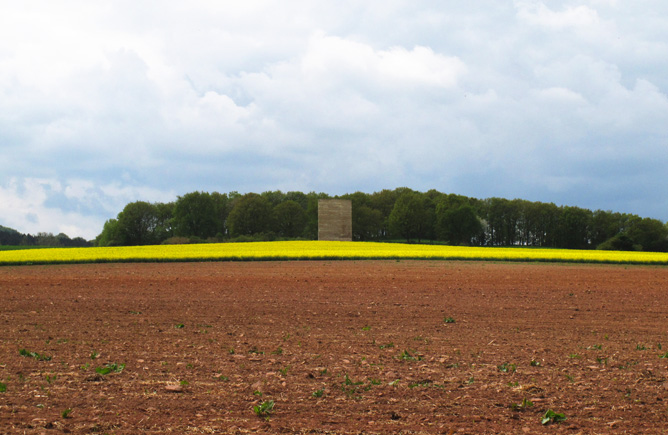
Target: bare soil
339 347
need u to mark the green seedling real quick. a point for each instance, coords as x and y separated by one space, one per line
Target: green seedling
394 383
109 368
424 383
318 393
366 328
257 393
179 326
602 360
94 355
665 355
470 381
552 417
223 378
35 355
449 320
641 347
284 371
348 381
507 368
526 403
3 387
386 346
574 356
66 413
278 351
406 356
264 409
595 347
535 363
50 379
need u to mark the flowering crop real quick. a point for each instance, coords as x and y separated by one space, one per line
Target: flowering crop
317 250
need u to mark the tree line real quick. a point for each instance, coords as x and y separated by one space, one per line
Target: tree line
9 236
400 214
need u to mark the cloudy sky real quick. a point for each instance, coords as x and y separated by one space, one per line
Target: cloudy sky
111 101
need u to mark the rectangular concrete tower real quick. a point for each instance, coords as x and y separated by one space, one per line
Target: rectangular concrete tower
335 219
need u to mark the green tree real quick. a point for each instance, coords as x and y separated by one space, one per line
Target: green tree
195 215
289 219
137 223
650 234
109 235
408 216
251 215
574 228
458 225
222 206
367 223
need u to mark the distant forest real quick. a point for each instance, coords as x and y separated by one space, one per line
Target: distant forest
9 236
401 214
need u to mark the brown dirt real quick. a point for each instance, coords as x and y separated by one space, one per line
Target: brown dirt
369 336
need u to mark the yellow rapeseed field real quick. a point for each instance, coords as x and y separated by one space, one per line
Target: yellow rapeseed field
316 250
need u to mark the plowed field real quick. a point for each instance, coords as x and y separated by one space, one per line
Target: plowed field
413 347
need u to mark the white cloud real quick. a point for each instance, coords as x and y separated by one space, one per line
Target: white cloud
578 17
103 104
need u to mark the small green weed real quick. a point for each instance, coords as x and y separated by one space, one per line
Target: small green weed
641 347
552 417
348 381
3 387
665 355
424 383
449 320
66 413
284 371
264 409
109 368
366 328
574 356
526 403
179 326
507 367
595 347
407 356
35 355
386 346
94 355
535 363
318 393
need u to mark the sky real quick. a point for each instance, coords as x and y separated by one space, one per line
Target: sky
107 102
